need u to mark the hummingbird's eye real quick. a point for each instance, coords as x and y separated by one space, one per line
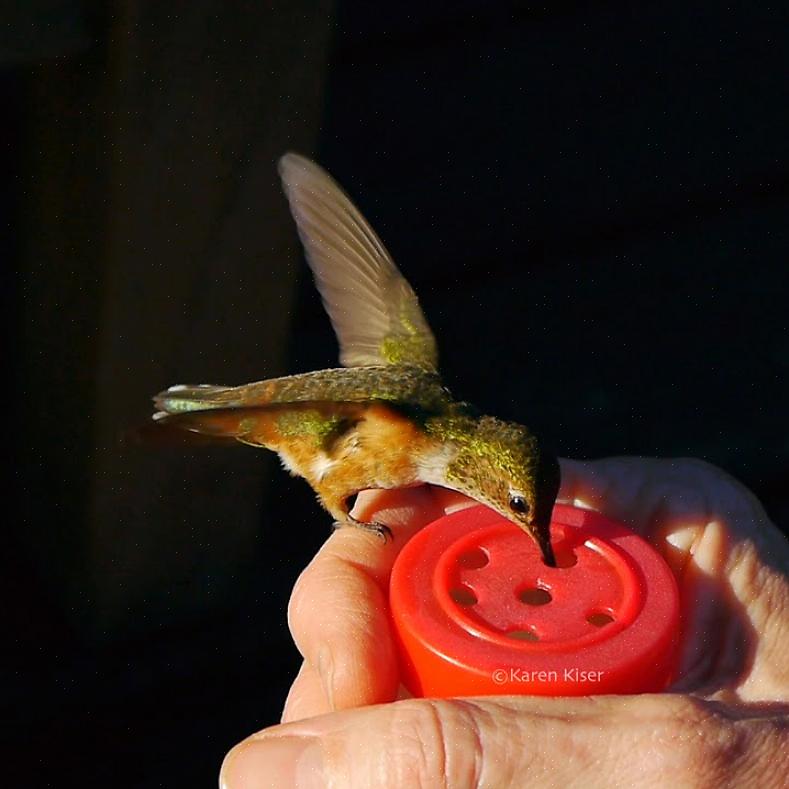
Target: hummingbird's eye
519 504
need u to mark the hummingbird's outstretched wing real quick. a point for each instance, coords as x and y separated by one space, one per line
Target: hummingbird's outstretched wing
374 311
404 384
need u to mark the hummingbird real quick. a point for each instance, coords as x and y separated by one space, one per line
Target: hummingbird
384 419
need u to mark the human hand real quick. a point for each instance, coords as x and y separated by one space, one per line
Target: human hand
725 721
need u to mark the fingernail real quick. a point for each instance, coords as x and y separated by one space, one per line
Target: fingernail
457 506
683 538
273 762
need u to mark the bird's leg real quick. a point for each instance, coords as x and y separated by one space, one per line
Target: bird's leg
340 509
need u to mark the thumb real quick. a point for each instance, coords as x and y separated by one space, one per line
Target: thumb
486 742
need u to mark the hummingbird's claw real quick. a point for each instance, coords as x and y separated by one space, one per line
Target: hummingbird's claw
380 529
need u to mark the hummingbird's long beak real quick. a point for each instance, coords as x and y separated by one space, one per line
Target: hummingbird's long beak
548 480
544 541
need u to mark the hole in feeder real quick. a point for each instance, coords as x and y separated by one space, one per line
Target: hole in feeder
534 596
462 595
523 635
599 619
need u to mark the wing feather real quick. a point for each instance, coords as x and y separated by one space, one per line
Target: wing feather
405 384
374 311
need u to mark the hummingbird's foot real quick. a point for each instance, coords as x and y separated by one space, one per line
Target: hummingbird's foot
381 529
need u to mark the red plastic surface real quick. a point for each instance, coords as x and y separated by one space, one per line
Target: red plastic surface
476 611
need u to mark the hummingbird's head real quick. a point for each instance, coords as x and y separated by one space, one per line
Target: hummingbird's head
530 496
505 467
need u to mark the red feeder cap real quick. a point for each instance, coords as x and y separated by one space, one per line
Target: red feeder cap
477 612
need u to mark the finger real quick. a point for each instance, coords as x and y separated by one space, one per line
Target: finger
706 614
451 501
725 554
661 498
629 740
404 510
736 618
619 487
338 612
306 696
667 501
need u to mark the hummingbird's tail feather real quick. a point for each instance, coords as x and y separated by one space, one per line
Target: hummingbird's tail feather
164 433
254 426
220 423
318 423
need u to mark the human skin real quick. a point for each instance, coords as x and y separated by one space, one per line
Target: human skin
725 722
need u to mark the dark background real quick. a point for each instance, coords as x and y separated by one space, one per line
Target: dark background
591 201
